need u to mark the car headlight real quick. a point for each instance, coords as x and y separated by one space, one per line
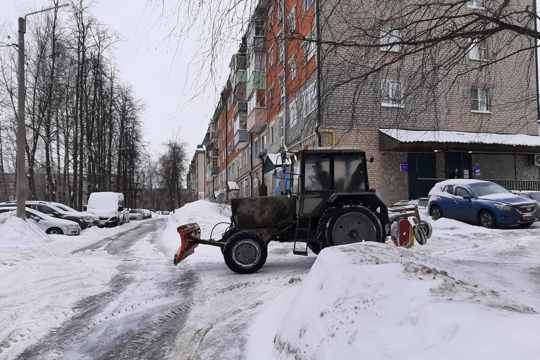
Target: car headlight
503 207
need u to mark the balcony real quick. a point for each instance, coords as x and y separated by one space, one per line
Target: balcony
256 120
240 76
258 43
241 107
238 62
256 81
240 137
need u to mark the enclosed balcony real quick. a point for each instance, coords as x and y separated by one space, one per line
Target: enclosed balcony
256 81
240 131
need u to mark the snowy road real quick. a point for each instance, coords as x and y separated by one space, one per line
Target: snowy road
140 314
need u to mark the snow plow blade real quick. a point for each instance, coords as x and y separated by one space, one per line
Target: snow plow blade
189 236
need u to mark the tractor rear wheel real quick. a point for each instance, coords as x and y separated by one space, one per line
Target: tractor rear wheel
353 224
245 253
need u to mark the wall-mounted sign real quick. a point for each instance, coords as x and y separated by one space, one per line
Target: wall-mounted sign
404 167
476 170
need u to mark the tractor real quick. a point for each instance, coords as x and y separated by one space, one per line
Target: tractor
324 200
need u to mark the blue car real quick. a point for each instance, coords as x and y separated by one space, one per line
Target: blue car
480 202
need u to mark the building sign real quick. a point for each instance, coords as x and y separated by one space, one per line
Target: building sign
476 170
404 167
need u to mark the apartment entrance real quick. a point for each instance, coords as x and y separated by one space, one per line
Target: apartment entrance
458 165
422 174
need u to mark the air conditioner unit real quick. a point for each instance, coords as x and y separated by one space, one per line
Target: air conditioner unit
537 160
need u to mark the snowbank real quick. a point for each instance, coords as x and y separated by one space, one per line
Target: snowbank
206 214
378 301
41 280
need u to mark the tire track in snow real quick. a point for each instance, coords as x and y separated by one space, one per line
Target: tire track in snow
112 324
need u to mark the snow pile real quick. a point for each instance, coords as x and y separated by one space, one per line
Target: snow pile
41 281
378 301
204 213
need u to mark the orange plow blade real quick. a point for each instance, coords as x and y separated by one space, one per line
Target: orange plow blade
189 234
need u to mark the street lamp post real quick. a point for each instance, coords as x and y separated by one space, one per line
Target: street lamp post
22 183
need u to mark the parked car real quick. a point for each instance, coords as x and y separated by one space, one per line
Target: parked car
147 214
108 207
51 209
49 224
88 218
135 214
533 195
480 202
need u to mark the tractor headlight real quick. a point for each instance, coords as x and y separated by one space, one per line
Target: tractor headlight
503 207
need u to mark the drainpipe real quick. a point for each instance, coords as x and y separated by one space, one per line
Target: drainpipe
318 24
536 62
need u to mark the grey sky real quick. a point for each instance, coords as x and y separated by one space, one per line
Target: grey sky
163 69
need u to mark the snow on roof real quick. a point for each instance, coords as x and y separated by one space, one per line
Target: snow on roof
423 136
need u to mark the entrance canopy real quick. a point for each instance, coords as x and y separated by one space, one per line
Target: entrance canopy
430 140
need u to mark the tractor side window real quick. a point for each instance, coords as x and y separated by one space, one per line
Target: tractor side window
349 174
317 177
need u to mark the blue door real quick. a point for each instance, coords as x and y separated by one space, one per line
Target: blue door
463 205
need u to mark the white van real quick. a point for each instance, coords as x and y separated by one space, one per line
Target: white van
108 208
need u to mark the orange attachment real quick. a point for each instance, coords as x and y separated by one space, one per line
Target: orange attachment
189 234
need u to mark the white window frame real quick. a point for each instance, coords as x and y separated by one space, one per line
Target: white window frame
481 97
291 19
478 50
388 40
282 89
293 113
388 90
310 99
292 67
475 4
308 3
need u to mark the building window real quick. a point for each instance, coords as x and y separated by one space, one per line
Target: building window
293 113
291 18
292 67
271 96
390 40
310 99
272 134
282 89
281 50
475 4
480 99
280 11
478 50
272 56
392 93
309 49
308 3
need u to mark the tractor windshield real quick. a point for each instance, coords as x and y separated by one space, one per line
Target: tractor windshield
349 174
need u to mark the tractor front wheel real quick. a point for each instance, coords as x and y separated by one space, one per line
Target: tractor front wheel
353 224
245 253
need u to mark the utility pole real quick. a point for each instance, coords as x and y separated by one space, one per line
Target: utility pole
22 183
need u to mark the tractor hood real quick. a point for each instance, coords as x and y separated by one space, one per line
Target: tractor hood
507 198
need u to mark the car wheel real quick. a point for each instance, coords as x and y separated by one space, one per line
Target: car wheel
486 219
245 253
55 231
435 212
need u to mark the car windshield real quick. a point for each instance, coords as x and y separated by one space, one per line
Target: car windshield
483 189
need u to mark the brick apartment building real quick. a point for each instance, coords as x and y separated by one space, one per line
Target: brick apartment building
282 91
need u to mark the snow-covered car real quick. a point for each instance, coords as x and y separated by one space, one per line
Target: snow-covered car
49 224
88 219
480 202
147 214
53 210
135 214
108 207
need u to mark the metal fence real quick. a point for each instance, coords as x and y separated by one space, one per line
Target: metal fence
510 184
